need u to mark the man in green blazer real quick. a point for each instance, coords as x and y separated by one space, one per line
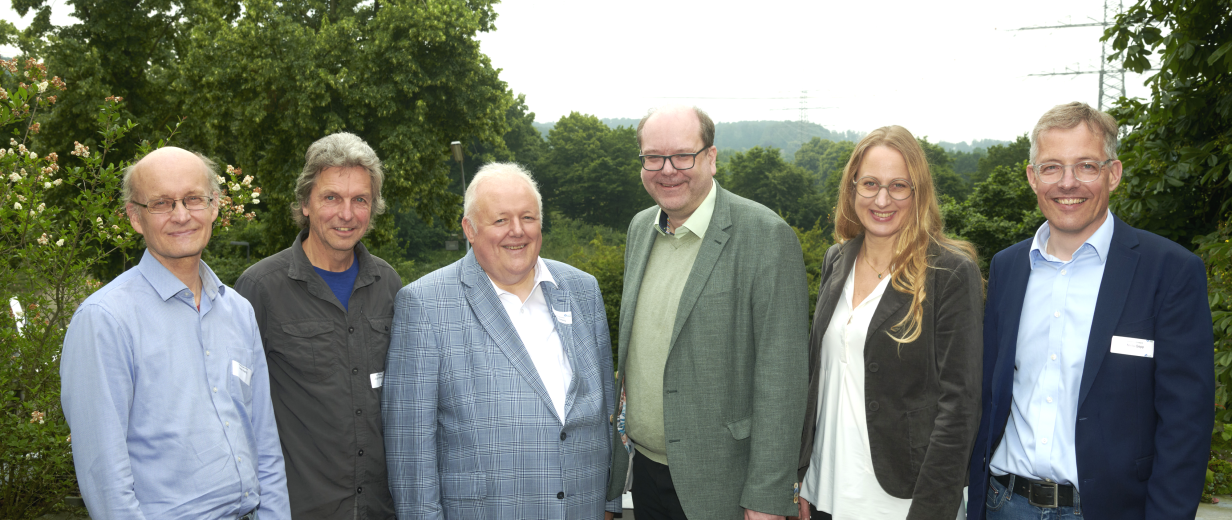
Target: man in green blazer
713 340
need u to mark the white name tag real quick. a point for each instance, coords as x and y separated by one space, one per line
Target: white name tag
241 371
1133 346
565 317
378 379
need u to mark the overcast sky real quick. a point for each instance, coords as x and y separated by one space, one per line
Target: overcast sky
953 71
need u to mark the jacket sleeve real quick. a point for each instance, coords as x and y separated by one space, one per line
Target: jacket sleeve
780 332
408 410
603 342
957 334
1184 393
977 473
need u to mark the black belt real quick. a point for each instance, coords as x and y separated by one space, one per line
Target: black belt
251 515
1040 493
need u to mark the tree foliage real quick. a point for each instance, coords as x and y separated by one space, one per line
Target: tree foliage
591 172
762 175
1000 212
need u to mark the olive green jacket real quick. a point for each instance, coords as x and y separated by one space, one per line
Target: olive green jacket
733 387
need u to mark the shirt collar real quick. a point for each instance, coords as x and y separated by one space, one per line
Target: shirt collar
1099 242
167 285
698 222
542 274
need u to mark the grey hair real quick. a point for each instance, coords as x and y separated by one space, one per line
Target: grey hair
340 150
493 170
707 125
1072 114
210 170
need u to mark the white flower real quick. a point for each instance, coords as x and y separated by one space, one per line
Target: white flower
41 207
21 198
56 182
60 242
235 187
221 180
46 185
256 201
14 177
17 206
43 240
115 227
42 87
33 155
3 152
247 180
12 142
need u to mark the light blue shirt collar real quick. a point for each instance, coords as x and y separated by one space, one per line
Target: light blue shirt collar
1099 242
166 284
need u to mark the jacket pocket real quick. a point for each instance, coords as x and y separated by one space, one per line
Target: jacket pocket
378 344
1143 467
920 425
471 485
304 347
741 429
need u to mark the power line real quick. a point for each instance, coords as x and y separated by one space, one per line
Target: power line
1111 80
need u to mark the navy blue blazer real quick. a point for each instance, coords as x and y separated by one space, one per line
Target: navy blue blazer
1144 424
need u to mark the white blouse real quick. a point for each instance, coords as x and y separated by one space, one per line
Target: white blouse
840 478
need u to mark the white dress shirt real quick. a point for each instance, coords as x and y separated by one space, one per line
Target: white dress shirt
536 327
840 479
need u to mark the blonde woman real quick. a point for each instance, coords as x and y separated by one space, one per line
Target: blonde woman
895 352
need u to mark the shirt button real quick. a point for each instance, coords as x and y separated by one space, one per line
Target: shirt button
1045 441
359 412
354 370
1054 357
227 423
207 352
359 490
245 493
351 329
1049 399
1056 314
561 495
1062 272
562 436
215 389
873 367
873 406
239 459
361 453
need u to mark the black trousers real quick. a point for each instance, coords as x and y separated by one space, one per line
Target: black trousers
654 495
814 514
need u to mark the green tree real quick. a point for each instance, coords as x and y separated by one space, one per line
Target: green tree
762 175
1009 155
967 163
1001 211
944 179
590 172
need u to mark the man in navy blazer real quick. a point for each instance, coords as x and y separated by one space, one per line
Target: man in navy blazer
1098 393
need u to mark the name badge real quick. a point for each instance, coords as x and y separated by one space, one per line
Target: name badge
1133 346
378 379
241 371
565 317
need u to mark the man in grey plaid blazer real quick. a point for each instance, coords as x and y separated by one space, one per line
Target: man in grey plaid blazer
499 381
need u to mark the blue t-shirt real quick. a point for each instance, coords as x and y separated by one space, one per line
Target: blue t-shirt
341 283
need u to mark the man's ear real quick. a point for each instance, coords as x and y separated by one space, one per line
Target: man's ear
134 217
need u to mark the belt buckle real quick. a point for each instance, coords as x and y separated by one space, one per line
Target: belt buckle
1037 489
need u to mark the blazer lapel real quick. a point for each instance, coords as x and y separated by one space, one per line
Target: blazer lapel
832 288
1113 291
1015 291
558 299
708 255
486 306
637 255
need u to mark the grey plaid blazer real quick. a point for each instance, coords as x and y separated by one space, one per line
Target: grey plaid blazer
470 431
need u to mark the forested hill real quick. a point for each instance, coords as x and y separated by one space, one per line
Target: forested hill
784 135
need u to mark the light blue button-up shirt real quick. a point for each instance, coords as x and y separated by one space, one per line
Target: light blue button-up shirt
169 406
1052 349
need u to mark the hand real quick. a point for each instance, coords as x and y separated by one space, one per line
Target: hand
804 509
754 515
608 515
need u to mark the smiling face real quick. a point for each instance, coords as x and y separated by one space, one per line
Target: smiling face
881 215
338 211
677 192
1074 209
178 237
504 231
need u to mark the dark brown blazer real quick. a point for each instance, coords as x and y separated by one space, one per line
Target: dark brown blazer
923 399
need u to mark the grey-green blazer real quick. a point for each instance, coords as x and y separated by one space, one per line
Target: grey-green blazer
733 387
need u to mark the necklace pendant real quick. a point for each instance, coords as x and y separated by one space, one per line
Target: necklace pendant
878 276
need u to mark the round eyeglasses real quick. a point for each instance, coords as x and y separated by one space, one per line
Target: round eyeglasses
898 189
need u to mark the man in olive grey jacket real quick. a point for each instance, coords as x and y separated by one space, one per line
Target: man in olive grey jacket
713 339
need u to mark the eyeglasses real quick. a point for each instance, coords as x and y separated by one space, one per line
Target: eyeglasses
1053 172
191 203
898 189
680 161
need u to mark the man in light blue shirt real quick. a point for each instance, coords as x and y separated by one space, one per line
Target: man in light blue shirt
163 378
1098 398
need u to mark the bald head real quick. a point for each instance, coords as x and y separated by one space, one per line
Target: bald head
168 159
705 124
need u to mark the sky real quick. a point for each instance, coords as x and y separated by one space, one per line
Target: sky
956 70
